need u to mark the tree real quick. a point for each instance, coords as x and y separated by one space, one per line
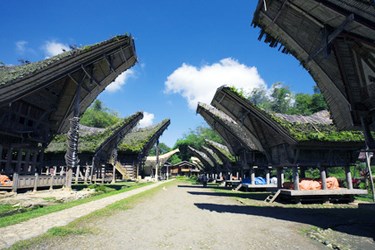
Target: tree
163 148
97 115
281 98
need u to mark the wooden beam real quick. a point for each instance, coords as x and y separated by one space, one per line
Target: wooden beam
90 75
109 63
328 38
77 83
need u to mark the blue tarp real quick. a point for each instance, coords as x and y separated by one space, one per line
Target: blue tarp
258 181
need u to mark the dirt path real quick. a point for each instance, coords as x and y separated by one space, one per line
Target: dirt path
178 217
181 216
35 227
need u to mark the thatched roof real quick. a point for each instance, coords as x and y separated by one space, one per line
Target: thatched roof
235 136
207 163
273 129
221 150
140 140
48 87
335 42
96 140
212 155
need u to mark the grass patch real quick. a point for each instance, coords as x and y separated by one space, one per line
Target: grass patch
40 211
65 231
86 224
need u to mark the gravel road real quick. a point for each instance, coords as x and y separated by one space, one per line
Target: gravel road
182 216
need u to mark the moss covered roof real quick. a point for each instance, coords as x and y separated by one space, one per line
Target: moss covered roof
316 127
9 74
90 139
135 141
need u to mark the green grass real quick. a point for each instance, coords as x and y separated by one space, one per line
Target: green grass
40 211
84 225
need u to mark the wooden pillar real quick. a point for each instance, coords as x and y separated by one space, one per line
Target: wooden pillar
77 174
268 175
27 162
279 172
19 160
15 182
114 161
86 174
296 178
349 182
323 177
252 176
36 182
303 172
157 161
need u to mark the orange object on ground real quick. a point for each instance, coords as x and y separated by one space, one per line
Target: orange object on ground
332 183
309 185
5 181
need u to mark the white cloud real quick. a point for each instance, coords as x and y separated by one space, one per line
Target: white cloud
200 84
120 81
21 47
148 120
53 48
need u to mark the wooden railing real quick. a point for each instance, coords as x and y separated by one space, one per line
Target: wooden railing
35 181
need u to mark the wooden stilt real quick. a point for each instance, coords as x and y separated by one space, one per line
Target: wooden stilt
323 177
296 178
349 181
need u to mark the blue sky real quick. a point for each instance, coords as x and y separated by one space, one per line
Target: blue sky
186 48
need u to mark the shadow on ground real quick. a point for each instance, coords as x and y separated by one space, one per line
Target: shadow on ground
254 196
347 220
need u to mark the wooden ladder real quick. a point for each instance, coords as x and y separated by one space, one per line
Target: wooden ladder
272 197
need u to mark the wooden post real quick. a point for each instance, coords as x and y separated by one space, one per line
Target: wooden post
86 174
252 176
114 161
268 179
51 182
303 172
279 177
349 181
323 177
77 174
19 160
15 182
36 180
157 161
368 163
296 178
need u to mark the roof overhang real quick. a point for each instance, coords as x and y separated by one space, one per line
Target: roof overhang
335 42
51 85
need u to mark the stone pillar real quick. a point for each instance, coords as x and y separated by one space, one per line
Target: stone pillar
349 181
323 177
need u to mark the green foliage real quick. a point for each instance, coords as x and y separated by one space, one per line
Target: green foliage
65 231
174 159
282 100
163 148
99 116
100 189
